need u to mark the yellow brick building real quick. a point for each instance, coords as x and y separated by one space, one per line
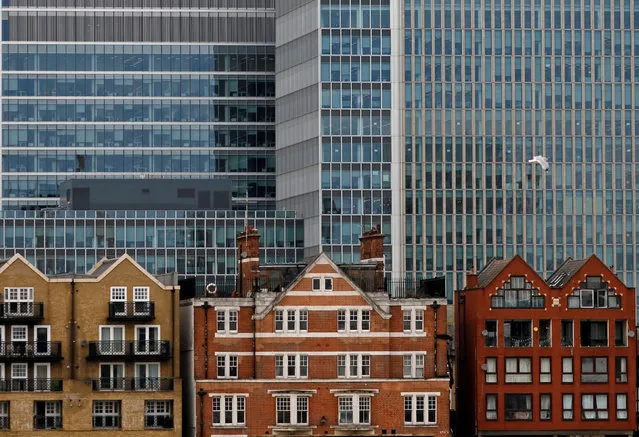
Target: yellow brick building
93 354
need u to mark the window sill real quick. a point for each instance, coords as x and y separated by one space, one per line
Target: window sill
425 425
229 426
354 427
292 427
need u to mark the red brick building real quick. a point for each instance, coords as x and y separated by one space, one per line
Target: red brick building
554 357
318 349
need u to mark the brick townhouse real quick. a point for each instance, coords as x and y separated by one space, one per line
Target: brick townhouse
317 349
553 357
93 354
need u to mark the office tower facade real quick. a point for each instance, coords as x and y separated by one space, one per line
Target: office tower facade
125 88
478 87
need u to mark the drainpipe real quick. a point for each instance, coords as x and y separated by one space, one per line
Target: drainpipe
435 306
174 336
72 329
201 393
254 340
206 307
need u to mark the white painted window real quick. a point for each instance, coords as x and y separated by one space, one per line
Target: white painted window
141 294
111 376
111 340
118 294
147 376
4 414
47 415
158 414
42 377
107 414
291 410
18 294
19 333
358 320
353 366
227 321
354 409
19 372
227 366
229 410
420 408
147 339
296 320
413 320
322 284
291 366
414 366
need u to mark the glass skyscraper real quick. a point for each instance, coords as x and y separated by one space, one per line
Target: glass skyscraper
124 88
477 87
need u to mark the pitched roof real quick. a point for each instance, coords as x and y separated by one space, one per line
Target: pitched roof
490 271
565 272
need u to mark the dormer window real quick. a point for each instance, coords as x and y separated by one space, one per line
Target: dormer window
322 284
517 293
594 293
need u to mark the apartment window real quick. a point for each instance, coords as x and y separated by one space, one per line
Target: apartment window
158 414
594 406
518 370
226 366
593 333
420 408
18 301
621 369
229 410
111 376
292 410
322 284
622 406
491 370
107 414
353 366
545 370
118 294
296 320
517 333
358 320
545 407
490 339
291 366
354 409
621 333
594 369
227 321
594 293
413 320
518 406
4 415
545 335
566 370
517 293
141 294
567 333
47 415
19 376
567 406
491 407
414 366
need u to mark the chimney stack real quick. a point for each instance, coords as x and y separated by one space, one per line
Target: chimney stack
471 278
248 246
371 250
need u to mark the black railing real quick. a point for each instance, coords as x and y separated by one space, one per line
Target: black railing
30 385
134 311
31 351
21 312
160 350
47 422
132 384
4 422
517 341
402 288
535 302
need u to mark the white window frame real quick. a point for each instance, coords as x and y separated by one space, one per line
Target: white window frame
428 399
151 410
39 385
18 296
415 318
148 348
19 376
293 408
141 294
111 329
139 385
228 360
355 402
235 404
301 366
4 415
52 409
19 328
351 361
113 383
118 294
35 339
321 282
416 362
2 371
227 315
346 316
3 340
114 410
283 316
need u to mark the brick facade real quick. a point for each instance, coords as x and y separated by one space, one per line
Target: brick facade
563 359
76 311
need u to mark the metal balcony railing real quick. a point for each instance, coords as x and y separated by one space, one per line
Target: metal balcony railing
517 341
131 311
21 312
132 384
30 351
30 385
535 302
47 422
130 350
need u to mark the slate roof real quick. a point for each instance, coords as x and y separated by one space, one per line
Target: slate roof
565 272
490 271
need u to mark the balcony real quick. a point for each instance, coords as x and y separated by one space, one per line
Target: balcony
131 311
30 385
21 312
132 384
31 351
130 350
535 302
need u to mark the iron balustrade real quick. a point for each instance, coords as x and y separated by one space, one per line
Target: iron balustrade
130 350
132 384
47 422
30 385
21 312
30 351
517 341
535 302
133 311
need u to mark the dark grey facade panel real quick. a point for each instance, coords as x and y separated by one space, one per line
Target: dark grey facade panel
240 27
168 4
283 7
297 52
